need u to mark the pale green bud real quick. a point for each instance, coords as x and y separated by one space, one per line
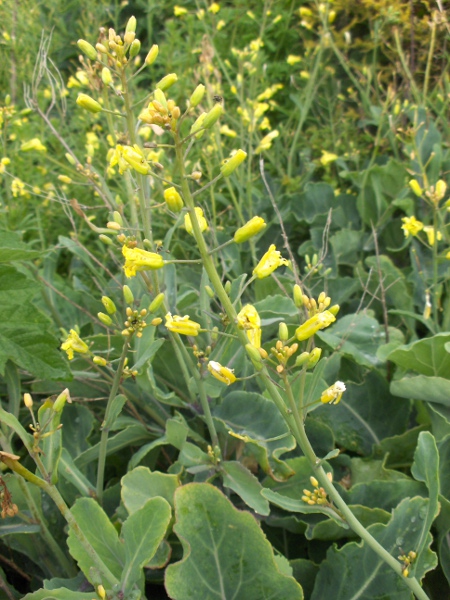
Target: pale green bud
156 303
209 291
105 319
197 96
167 82
254 356
314 357
302 359
250 229
109 305
298 296
135 48
415 186
88 103
87 49
213 116
99 360
60 401
128 295
197 126
160 97
283 333
131 25
334 309
106 240
117 217
70 159
232 163
152 55
106 76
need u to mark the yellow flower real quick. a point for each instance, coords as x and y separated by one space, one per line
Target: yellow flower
271 260
411 226
140 260
333 394
214 8
225 130
221 373
314 324
74 344
293 59
429 230
415 186
266 141
327 158
248 230
18 187
34 144
248 319
179 11
200 218
181 325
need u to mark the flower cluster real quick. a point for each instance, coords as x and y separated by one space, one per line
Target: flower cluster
249 320
319 495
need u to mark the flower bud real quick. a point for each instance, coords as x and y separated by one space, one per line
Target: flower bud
334 309
106 240
99 360
64 179
117 217
213 116
197 95
87 49
173 200
414 185
156 302
128 295
441 188
105 319
302 359
167 82
129 37
131 25
314 357
60 401
88 103
197 126
28 400
101 48
152 55
135 48
283 333
156 321
113 225
106 76
254 356
250 229
70 159
209 291
109 305
232 163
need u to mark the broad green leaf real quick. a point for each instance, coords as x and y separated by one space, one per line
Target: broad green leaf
146 355
58 594
305 572
275 308
100 533
428 356
431 389
397 292
346 244
359 420
330 530
355 571
114 411
12 248
444 461
226 555
356 336
140 484
316 200
367 470
239 479
78 423
380 184
399 449
257 422
142 534
426 468
384 495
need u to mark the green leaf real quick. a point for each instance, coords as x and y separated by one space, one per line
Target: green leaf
147 354
330 530
275 308
142 534
431 389
100 533
115 409
235 557
355 571
12 248
140 484
257 422
316 200
428 356
444 461
426 468
239 479
396 289
68 469
379 186
359 420
356 336
58 594
399 449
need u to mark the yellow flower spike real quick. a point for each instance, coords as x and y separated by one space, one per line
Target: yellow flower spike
181 325
411 226
314 324
221 373
200 218
415 186
249 319
429 230
333 394
271 260
74 344
173 200
250 229
140 260
136 160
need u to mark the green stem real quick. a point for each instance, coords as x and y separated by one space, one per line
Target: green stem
429 61
105 430
436 295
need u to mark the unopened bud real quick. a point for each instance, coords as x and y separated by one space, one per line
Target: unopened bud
131 25
213 116
334 309
60 401
302 359
197 126
173 199
64 179
232 163
105 319
101 48
197 95
441 188
415 186
70 159
298 296
314 358
106 240
283 333
106 76
209 291
167 82
128 295
250 229
88 103
113 225
87 49
156 302
129 37
152 55
228 286
99 360
117 217
135 48
27 400
156 321
109 305
314 481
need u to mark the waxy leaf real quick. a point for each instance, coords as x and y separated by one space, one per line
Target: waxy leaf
226 555
427 357
239 479
140 484
431 389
